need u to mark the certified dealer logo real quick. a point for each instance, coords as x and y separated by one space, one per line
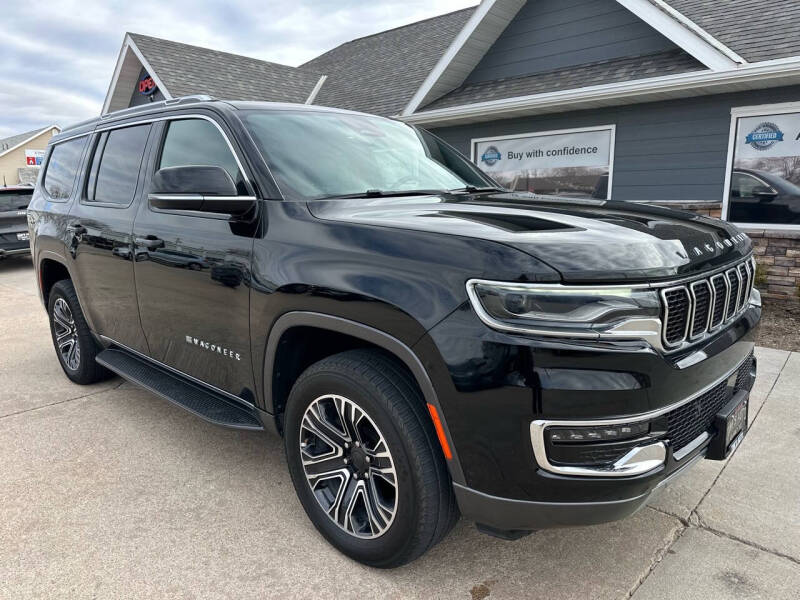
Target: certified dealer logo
491 156
765 136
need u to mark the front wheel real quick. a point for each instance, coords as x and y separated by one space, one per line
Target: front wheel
364 459
75 347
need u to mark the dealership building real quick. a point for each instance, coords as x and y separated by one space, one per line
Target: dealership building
687 103
21 155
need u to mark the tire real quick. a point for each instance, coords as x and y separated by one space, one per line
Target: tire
372 390
75 346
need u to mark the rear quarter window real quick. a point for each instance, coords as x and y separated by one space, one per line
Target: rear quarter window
62 168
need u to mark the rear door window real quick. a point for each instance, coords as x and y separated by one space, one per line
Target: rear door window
115 166
62 167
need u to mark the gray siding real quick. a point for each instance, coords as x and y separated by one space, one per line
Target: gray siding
554 34
673 150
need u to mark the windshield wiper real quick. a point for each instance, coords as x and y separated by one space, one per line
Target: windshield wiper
471 189
382 194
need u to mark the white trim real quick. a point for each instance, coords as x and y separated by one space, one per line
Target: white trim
456 46
678 32
33 137
128 43
313 95
611 152
739 112
707 37
629 90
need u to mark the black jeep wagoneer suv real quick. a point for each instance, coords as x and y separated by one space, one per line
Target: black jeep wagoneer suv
427 343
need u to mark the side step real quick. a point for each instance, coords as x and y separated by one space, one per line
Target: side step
204 402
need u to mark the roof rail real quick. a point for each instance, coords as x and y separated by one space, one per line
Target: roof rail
191 99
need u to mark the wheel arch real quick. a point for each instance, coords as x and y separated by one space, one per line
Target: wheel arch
50 269
368 336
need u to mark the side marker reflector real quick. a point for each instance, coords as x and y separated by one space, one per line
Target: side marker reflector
437 425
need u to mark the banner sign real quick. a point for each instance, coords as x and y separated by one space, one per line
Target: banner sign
566 162
547 151
34 158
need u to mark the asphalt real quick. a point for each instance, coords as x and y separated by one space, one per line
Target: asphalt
110 492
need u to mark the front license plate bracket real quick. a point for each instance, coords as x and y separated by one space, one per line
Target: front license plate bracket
731 426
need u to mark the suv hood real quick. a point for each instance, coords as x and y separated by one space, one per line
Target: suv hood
584 240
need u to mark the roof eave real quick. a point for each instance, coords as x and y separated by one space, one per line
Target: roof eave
31 138
773 73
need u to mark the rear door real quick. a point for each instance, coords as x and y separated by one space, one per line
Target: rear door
193 269
100 227
13 219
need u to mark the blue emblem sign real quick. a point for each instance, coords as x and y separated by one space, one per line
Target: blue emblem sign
491 156
765 136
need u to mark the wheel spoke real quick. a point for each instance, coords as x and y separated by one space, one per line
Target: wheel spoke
317 468
313 423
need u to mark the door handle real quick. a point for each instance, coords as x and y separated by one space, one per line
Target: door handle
150 242
76 229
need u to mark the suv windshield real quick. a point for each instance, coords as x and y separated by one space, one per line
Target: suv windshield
315 154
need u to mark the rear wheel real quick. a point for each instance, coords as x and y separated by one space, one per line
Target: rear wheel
75 347
365 461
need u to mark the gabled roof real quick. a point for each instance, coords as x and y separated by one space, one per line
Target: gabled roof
756 29
379 73
15 141
186 70
597 73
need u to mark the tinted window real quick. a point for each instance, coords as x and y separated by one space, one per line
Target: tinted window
198 142
62 168
14 200
745 186
115 166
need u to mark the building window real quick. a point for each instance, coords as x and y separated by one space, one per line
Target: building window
763 184
568 162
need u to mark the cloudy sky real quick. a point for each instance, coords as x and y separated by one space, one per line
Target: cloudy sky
57 56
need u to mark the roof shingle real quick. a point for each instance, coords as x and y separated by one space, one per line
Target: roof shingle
13 140
609 71
755 29
380 73
186 70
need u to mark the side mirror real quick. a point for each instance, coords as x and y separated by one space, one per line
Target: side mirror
764 194
198 188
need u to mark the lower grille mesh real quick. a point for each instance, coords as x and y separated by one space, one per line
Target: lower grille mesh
687 422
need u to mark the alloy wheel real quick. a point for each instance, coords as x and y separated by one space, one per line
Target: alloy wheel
348 466
66 333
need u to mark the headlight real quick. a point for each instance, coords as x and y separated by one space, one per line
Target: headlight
573 311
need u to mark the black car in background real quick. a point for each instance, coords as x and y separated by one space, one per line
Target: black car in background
14 237
425 342
762 197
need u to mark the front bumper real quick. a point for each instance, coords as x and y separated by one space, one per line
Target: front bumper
508 514
498 390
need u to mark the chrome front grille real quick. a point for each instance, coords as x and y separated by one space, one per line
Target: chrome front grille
705 304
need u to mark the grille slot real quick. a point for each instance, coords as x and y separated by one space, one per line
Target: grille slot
687 422
677 306
732 276
701 298
703 305
720 287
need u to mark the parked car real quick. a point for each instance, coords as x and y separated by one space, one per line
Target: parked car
426 343
14 235
763 197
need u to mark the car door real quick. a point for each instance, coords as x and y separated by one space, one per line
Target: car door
193 269
100 232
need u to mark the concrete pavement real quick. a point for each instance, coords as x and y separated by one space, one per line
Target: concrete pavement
110 492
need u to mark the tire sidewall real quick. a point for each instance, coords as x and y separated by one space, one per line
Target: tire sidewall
65 291
401 532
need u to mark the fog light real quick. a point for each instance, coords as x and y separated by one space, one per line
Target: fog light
605 433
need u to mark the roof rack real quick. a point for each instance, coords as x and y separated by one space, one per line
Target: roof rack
191 99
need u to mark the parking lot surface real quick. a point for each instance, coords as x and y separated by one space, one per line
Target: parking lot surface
110 492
